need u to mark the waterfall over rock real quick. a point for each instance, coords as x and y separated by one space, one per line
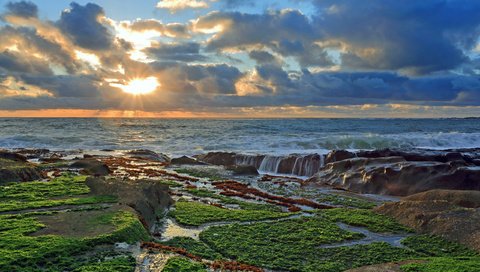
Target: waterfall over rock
299 165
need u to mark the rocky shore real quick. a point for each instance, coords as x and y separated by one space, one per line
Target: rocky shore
139 210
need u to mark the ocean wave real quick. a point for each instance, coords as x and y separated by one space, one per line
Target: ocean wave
274 137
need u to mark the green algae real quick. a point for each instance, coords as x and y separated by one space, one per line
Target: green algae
364 218
196 214
19 251
65 190
179 264
228 200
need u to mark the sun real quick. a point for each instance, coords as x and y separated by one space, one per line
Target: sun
139 86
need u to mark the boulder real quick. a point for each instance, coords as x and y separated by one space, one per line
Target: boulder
243 170
18 171
452 214
12 156
218 158
19 174
148 197
92 167
146 154
338 155
397 176
184 160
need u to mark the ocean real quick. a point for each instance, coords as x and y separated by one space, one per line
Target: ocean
177 137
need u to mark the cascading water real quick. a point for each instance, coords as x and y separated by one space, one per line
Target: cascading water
297 165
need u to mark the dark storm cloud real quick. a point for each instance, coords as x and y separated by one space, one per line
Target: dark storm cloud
197 79
414 52
81 86
82 24
418 36
176 52
25 9
251 29
12 62
262 56
31 45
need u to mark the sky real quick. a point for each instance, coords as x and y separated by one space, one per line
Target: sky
240 58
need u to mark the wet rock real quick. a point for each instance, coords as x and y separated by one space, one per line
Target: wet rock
51 159
18 171
33 153
243 170
218 158
19 174
92 167
397 176
416 155
147 197
146 154
339 155
300 165
12 156
452 214
184 160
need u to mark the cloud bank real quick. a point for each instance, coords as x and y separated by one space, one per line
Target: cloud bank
362 55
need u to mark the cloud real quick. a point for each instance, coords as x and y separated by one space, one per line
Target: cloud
83 25
176 52
415 37
25 9
262 57
174 30
175 5
345 57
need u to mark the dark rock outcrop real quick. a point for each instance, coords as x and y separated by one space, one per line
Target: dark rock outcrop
452 214
147 197
12 156
19 174
184 160
146 154
397 176
92 166
218 158
339 155
16 169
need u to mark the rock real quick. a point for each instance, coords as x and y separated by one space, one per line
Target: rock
452 214
52 159
147 197
338 155
12 156
92 167
33 153
19 174
218 158
185 161
243 170
146 154
396 176
18 171
416 155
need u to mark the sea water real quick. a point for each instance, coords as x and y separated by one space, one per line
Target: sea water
248 136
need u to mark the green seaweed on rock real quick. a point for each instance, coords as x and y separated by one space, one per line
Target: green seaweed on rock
196 214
